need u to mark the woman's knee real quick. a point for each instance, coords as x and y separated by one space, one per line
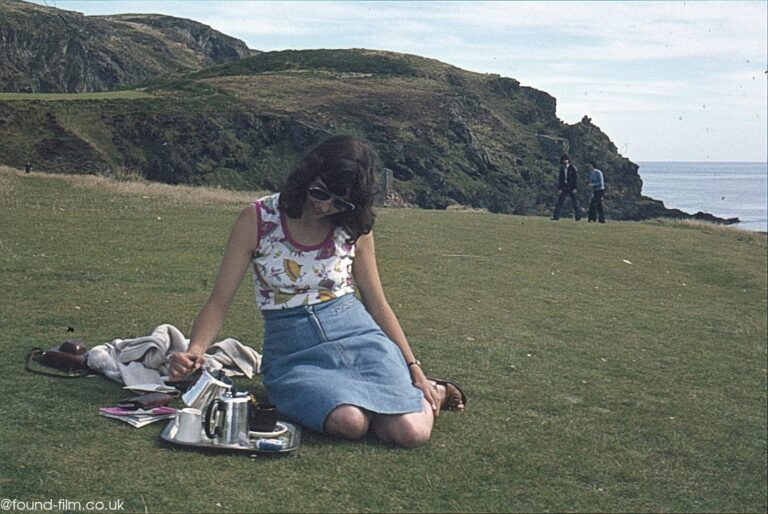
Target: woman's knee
347 421
411 435
407 431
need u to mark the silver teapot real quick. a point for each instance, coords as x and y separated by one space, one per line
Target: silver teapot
226 419
205 389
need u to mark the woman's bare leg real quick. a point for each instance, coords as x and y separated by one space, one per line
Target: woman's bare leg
408 430
348 421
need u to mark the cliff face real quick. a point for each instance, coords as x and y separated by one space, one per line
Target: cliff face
446 136
49 50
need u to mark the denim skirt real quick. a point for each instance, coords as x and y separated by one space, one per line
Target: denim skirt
318 357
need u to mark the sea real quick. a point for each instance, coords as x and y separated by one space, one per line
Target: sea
725 189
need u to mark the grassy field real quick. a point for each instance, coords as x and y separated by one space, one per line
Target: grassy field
609 368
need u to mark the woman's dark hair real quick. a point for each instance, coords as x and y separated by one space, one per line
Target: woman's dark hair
347 166
563 158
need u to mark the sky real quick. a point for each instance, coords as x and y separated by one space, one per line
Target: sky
666 81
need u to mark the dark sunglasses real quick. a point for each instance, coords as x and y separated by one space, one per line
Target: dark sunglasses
322 195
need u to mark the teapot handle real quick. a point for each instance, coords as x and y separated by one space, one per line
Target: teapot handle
214 405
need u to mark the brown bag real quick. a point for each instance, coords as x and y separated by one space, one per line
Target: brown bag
70 357
64 361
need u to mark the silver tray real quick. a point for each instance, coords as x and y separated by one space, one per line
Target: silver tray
293 435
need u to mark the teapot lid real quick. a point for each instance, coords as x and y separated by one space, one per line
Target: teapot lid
236 396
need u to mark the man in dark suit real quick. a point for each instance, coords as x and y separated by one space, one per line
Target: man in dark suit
566 183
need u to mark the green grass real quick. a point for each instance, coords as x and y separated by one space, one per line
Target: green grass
109 95
612 368
342 61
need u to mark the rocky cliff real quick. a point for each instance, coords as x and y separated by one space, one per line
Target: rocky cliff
49 50
445 136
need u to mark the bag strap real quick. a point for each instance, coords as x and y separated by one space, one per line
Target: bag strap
32 356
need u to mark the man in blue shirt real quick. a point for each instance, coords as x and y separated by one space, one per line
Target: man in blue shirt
597 184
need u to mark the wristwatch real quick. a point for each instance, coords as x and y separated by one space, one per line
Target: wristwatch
415 362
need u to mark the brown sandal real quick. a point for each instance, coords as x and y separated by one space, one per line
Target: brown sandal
450 403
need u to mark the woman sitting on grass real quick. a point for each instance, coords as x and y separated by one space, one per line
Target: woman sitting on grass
330 362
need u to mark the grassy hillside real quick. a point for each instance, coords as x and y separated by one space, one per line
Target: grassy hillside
449 136
55 97
612 368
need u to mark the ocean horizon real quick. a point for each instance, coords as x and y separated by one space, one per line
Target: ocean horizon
724 189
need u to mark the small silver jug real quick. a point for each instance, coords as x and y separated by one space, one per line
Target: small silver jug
226 419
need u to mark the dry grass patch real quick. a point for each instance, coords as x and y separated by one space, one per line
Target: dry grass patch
178 195
706 226
6 180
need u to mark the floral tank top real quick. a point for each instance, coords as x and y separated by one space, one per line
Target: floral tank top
288 274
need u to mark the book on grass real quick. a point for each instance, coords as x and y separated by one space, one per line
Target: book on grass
137 417
153 388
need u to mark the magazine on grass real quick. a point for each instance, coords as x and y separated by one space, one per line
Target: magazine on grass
138 418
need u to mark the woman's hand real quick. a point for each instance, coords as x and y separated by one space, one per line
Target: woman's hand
430 394
182 364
